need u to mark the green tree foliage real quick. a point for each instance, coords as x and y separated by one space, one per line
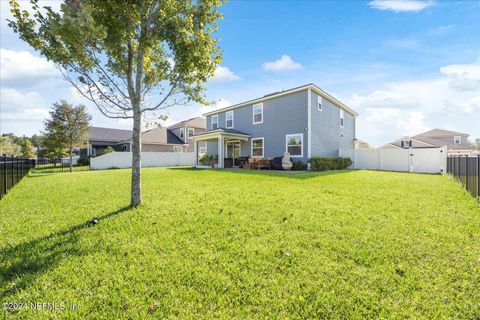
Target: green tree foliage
26 148
108 150
67 128
119 54
8 146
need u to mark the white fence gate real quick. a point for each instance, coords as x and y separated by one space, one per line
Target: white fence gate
428 160
149 159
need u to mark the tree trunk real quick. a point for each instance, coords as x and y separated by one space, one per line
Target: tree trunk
136 192
71 159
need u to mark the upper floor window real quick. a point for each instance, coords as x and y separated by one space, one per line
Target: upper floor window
294 144
229 119
342 121
191 132
457 140
258 113
215 122
182 133
319 103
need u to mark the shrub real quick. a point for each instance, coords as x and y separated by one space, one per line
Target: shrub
83 161
320 164
108 150
205 158
298 166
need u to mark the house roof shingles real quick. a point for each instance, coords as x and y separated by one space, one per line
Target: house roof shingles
108 134
197 122
440 133
160 136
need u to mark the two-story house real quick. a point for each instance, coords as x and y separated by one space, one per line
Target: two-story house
456 142
186 129
304 121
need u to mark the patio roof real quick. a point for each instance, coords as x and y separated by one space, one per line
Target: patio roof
221 132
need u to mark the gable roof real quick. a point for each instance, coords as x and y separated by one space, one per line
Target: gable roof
160 135
440 133
430 142
108 134
311 86
197 122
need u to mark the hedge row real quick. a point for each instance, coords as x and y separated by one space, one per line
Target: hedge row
320 164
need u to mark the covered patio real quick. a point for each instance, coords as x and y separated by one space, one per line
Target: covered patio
231 146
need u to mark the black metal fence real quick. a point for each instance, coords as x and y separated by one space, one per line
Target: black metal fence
12 170
58 165
466 169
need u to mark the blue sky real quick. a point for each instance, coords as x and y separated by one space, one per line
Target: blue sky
406 66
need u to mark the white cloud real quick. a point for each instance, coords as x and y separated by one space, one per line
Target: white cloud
401 5
21 111
178 114
285 63
224 74
411 107
463 76
386 99
21 68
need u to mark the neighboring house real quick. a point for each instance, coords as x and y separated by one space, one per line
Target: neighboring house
101 138
155 140
161 140
186 129
456 142
305 121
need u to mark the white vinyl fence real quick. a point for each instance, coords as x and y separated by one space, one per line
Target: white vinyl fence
149 159
428 160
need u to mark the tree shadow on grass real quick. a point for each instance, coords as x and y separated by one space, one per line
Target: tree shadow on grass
21 264
302 175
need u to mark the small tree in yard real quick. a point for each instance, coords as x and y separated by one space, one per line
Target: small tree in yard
129 58
67 128
26 148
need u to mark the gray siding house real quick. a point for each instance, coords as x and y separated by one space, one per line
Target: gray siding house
186 129
305 121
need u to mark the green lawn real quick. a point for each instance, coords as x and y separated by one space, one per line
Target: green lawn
233 244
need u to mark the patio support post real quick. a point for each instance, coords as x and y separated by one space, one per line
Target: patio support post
220 151
195 151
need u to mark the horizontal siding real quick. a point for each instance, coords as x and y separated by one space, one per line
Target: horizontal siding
281 116
327 135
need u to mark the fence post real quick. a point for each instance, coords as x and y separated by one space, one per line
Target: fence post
4 165
466 171
478 176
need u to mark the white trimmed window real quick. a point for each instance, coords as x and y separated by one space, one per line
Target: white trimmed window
229 119
215 122
191 132
457 140
258 113
177 148
182 133
294 144
342 121
257 147
406 144
319 103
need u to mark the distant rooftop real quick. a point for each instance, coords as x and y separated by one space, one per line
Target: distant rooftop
109 134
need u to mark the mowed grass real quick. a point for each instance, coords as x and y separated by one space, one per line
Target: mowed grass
232 244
